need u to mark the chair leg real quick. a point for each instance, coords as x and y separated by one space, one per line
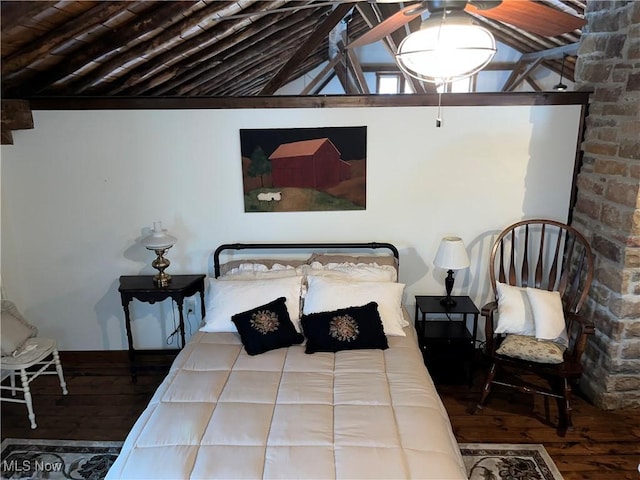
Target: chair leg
563 390
63 384
487 386
27 397
12 379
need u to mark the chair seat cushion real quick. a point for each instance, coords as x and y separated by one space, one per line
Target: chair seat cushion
528 348
33 350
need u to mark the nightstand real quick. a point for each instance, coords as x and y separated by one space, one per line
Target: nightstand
144 289
447 345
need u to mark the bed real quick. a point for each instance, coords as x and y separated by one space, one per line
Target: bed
338 391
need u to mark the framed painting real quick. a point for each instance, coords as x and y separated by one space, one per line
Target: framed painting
304 169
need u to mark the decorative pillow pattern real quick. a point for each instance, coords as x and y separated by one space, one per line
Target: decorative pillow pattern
266 327
548 315
15 329
326 294
225 298
514 311
344 329
528 348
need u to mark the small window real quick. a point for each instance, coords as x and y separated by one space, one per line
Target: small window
392 82
388 83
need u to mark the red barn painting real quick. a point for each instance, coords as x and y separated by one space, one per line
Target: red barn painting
304 169
308 164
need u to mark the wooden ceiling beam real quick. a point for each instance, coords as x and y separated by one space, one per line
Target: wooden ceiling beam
248 77
182 58
240 60
256 86
189 68
341 73
169 26
151 48
510 86
15 13
243 64
13 64
553 53
101 46
322 74
280 78
16 115
356 70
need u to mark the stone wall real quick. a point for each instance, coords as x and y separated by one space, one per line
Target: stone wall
607 210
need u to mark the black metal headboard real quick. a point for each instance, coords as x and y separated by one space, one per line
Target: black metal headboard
299 246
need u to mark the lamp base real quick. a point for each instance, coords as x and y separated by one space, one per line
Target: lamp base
161 263
447 302
162 279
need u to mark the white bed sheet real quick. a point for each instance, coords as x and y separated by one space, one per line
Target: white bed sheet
221 413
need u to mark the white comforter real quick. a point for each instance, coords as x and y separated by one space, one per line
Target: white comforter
221 413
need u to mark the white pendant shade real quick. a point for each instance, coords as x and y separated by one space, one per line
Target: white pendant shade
445 50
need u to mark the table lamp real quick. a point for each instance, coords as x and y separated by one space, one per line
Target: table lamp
159 241
451 255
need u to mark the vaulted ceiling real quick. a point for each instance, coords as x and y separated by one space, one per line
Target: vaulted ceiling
220 48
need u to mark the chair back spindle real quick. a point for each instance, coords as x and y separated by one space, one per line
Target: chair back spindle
561 259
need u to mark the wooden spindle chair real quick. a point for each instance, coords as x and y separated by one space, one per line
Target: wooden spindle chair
550 255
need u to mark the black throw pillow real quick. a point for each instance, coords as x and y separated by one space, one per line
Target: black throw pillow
349 328
266 327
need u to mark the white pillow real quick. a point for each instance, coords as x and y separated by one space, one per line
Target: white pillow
362 272
514 311
15 330
225 298
258 274
548 316
327 294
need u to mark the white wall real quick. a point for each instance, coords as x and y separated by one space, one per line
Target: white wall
78 190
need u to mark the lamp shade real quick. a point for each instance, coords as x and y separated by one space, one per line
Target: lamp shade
159 238
445 50
452 254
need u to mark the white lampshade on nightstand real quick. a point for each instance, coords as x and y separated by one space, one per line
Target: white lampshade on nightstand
160 241
452 255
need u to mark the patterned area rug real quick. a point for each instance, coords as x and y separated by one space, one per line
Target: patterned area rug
79 460
495 461
57 459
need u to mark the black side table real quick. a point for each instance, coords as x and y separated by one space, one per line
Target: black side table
446 342
143 288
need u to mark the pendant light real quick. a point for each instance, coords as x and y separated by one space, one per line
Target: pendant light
561 87
446 48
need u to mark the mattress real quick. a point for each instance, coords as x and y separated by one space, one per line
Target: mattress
221 413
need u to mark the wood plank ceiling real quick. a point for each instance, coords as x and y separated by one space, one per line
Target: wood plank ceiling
209 48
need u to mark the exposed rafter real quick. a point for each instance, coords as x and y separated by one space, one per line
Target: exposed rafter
199 47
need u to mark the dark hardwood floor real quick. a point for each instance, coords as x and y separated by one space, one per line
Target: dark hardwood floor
103 404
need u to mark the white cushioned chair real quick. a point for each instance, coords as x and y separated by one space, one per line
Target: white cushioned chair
25 354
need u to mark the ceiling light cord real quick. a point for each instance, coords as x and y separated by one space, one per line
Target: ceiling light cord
444 83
